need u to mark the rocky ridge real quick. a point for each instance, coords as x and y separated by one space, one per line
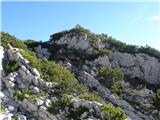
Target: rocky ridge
78 52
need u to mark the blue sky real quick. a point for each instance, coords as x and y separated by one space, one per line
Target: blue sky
131 22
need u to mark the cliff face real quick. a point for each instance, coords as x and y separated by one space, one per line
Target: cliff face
90 72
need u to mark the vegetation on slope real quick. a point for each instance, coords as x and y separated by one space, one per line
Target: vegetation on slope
156 99
7 38
123 47
10 66
113 113
111 78
52 72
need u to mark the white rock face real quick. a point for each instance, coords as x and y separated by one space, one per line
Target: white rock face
36 72
39 102
47 102
10 84
78 42
1 95
14 55
6 116
11 108
22 117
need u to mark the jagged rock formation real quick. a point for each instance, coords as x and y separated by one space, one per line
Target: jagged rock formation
139 66
25 92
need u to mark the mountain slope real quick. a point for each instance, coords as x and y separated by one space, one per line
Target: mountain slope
89 71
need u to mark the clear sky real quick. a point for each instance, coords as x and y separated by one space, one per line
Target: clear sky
131 22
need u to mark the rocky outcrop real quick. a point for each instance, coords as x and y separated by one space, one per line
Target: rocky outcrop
41 52
139 66
75 41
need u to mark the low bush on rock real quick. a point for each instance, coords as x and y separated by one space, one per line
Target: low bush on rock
10 66
106 52
156 99
65 104
76 114
59 104
123 47
111 77
7 38
90 97
52 72
15 117
2 108
113 113
28 94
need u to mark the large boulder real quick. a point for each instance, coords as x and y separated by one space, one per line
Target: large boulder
150 67
139 66
123 59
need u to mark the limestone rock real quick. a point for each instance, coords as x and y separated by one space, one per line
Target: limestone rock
36 72
1 95
139 66
124 59
78 42
42 52
35 89
39 102
22 117
11 108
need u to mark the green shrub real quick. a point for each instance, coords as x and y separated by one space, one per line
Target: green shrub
156 99
57 36
150 51
2 108
116 88
76 114
7 38
31 43
63 102
52 72
110 75
110 78
10 66
106 52
28 94
90 97
59 104
15 117
20 96
158 94
113 113
123 47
